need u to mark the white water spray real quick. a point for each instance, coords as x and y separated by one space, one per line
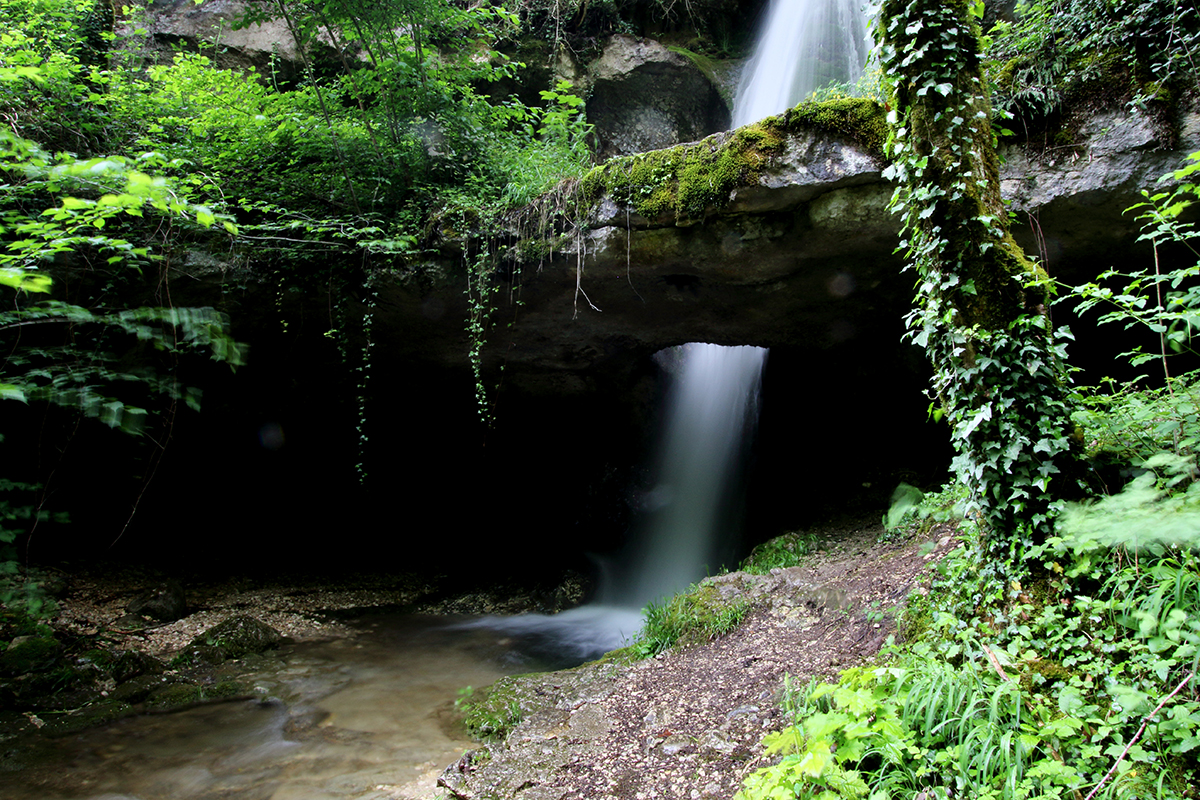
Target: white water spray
712 408
804 45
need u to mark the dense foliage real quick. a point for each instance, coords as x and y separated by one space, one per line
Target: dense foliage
1056 53
331 166
1079 679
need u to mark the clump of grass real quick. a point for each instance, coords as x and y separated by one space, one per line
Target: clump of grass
783 551
691 617
491 713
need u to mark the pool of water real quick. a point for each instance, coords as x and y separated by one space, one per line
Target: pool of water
368 717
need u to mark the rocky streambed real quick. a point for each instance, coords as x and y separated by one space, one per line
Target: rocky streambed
334 703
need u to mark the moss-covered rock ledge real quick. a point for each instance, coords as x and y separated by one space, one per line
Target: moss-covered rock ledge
812 148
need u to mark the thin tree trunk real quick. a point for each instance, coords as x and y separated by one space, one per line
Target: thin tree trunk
981 303
337 147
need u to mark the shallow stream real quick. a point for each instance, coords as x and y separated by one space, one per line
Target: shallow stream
369 717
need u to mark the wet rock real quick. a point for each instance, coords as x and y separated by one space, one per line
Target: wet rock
165 602
182 695
174 696
234 638
138 689
123 665
86 717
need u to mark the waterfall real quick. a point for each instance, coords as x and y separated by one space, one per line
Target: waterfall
804 45
711 405
711 410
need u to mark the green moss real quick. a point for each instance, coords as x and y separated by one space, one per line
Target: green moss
689 181
88 717
30 654
226 690
1042 672
621 657
781 552
692 617
236 637
862 119
176 695
916 619
491 713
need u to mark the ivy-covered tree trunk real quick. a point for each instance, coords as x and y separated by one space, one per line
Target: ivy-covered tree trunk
980 310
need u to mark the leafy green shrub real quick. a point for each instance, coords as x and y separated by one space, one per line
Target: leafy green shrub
53 50
1057 48
1132 423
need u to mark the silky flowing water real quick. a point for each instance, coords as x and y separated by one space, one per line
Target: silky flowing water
710 413
804 45
370 716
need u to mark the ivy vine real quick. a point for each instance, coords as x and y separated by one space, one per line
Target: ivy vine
980 310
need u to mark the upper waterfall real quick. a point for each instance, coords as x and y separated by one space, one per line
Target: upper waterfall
803 46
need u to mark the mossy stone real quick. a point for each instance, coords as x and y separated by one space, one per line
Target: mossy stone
177 695
122 665
89 716
234 638
690 181
27 654
139 688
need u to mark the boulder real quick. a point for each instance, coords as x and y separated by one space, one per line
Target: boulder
645 96
173 25
165 602
28 654
238 636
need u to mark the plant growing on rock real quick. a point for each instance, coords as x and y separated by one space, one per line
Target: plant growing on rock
693 616
981 304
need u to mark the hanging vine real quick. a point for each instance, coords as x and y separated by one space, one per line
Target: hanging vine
980 309
370 301
481 294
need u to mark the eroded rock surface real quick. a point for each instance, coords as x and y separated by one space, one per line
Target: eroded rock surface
182 24
646 97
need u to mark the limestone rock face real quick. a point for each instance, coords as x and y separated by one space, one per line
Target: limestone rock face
183 24
646 97
1074 201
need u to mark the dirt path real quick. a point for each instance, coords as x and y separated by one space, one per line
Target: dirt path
688 724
